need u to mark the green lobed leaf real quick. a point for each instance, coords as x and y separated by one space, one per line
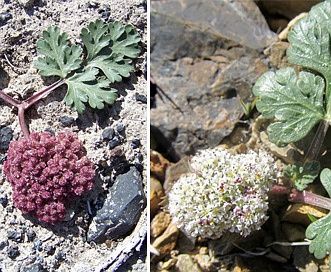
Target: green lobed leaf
310 40
295 101
320 231
95 38
85 87
114 69
124 40
61 58
302 174
110 48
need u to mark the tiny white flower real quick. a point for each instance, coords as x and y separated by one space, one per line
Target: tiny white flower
223 192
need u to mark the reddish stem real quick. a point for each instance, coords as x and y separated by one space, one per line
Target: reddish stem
42 94
10 100
310 198
27 103
302 196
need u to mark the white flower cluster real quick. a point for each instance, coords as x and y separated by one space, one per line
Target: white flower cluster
223 192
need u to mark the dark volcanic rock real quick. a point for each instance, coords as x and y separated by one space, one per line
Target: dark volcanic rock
121 210
66 121
205 55
6 135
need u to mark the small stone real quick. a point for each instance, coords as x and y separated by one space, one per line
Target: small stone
108 134
293 232
51 131
31 235
114 142
135 143
3 244
158 165
4 200
36 267
4 17
6 135
155 196
121 210
2 158
13 252
139 166
120 128
165 243
203 251
166 265
141 98
49 249
185 263
15 236
159 223
66 121
205 262
298 213
10 209
38 245
60 256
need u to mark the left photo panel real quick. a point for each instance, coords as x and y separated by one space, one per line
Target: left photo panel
73 135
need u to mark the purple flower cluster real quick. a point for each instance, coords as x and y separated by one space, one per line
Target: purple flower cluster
47 172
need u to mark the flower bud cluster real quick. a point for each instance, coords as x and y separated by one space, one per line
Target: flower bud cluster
223 192
46 173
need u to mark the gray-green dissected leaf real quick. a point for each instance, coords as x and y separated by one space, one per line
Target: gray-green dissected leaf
95 38
302 174
110 47
310 40
124 40
114 69
60 57
320 231
295 101
85 87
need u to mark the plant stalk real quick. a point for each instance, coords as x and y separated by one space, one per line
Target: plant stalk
42 94
302 196
310 198
316 145
27 103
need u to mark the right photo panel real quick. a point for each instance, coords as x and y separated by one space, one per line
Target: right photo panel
240 161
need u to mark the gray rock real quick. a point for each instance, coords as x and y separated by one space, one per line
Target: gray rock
6 135
15 235
121 210
141 98
66 121
205 55
36 267
4 17
13 251
115 141
108 134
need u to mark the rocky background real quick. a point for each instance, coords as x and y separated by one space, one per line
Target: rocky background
115 139
205 58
